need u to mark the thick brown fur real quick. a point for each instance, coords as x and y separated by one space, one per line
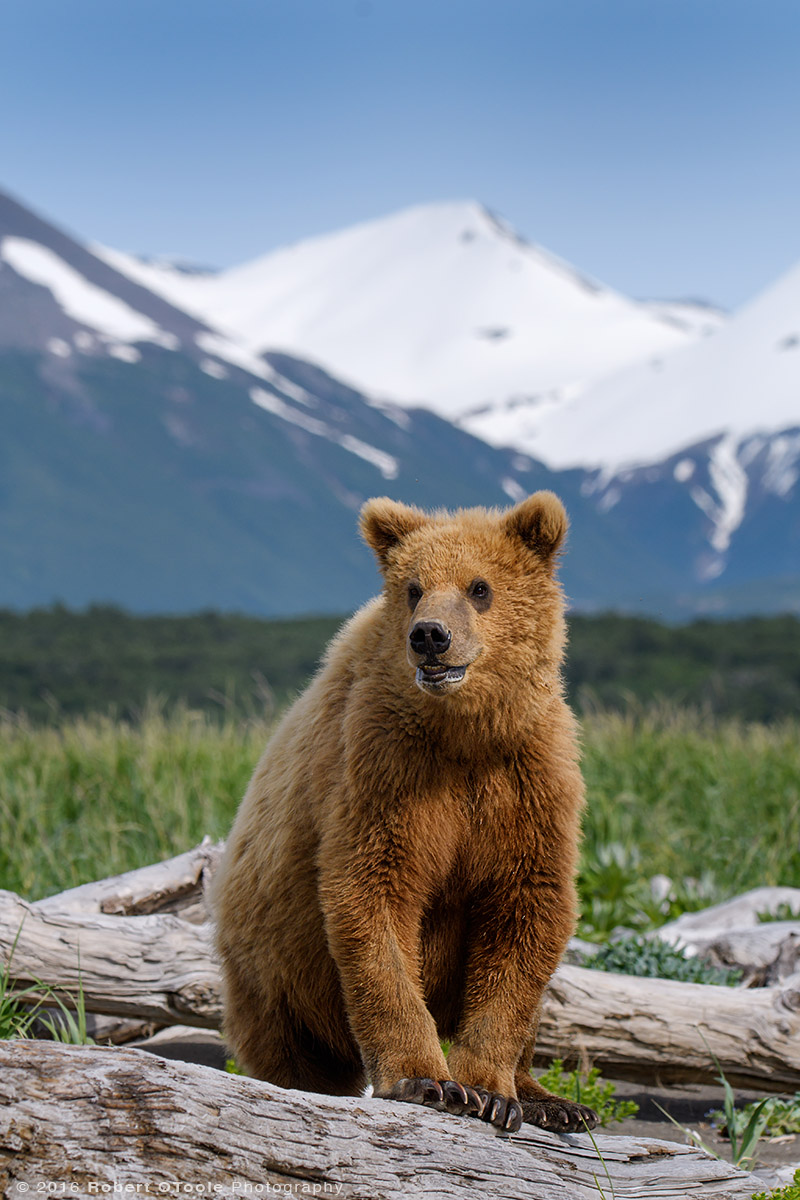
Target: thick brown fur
401 869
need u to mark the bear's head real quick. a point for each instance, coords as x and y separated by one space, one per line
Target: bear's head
471 596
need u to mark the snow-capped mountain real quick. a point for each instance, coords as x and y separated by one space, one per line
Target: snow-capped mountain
715 424
148 460
657 401
443 305
156 451
60 298
742 381
57 296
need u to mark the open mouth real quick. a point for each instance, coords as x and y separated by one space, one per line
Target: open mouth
433 676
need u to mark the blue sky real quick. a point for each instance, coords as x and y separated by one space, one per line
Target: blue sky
653 143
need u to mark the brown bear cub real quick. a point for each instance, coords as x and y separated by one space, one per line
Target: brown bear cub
401 870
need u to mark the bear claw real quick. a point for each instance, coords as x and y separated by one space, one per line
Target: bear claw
501 1111
447 1095
560 1116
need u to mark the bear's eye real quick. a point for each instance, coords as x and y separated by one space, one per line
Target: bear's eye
480 594
414 594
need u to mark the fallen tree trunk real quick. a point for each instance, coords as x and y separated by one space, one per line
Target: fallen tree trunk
90 1121
160 968
175 885
660 1031
157 968
765 954
692 929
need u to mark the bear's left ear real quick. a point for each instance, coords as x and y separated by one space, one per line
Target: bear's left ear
540 522
384 524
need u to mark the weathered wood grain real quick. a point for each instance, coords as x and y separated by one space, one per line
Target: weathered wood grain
156 968
172 885
92 1121
660 1030
160 968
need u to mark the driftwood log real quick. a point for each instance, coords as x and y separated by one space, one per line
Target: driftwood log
766 954
661 1031
81 1121
160 968
155 968
693 929
733 934
175 885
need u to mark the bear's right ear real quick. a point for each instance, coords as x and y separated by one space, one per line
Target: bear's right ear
541 523
384 524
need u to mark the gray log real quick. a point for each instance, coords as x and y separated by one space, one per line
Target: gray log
766 954
742 912
157 968
658 1030
172 885
92 1121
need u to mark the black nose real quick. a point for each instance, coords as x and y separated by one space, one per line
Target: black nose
430 638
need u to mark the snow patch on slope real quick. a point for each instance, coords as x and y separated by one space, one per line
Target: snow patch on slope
219 346
81 300
386 463
727 508
783 464
124 352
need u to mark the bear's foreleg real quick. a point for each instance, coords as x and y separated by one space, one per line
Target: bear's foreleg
545 1109
374 939
518 937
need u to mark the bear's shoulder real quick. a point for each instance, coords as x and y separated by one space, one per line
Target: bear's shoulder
356 638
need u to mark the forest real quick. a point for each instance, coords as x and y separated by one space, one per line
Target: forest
56 662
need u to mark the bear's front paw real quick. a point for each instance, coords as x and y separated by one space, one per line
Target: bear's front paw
500 1110
561 1116
446 1095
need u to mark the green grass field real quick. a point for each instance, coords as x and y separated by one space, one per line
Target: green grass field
713 804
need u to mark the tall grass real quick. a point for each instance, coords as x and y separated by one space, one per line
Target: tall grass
714 805
97 796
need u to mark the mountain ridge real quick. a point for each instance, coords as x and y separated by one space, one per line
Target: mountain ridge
160 462
442 305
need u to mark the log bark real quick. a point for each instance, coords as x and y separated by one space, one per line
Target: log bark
156 968
160 968
81 1121
766 954
691 929
175 885
661 1031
